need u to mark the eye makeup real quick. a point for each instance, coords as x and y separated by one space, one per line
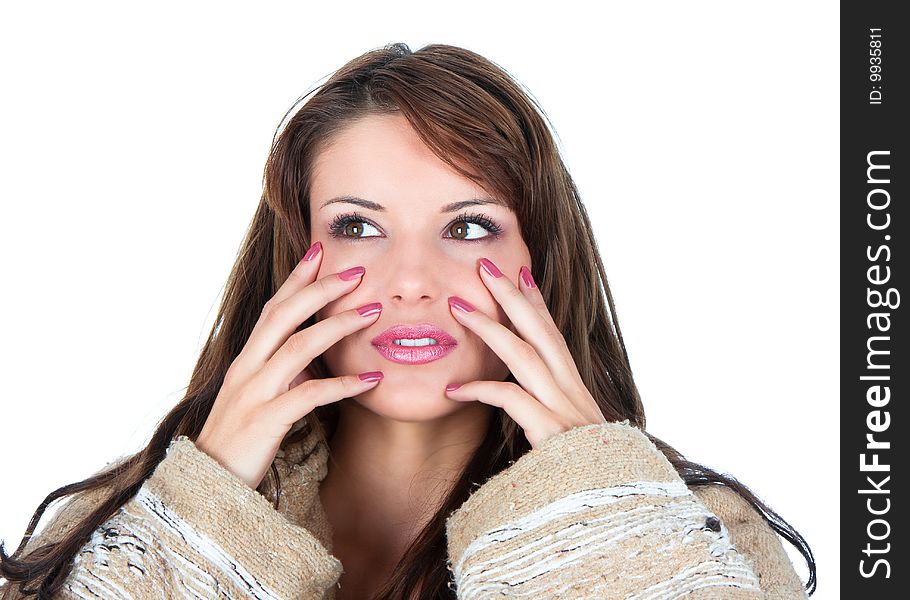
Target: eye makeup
338 224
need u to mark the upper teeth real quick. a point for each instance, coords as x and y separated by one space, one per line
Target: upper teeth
419 342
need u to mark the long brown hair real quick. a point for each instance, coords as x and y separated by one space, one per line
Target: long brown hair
473 115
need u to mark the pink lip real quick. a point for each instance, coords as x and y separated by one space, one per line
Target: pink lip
385 344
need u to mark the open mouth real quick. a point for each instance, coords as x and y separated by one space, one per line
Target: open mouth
414 355
414 344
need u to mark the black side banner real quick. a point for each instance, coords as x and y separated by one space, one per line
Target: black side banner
874 368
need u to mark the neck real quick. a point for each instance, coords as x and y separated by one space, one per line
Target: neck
387 478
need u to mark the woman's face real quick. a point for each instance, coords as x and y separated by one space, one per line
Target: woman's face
417 251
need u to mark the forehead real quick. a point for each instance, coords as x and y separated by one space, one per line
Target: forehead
381 157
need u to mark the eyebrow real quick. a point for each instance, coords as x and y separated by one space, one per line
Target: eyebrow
380 208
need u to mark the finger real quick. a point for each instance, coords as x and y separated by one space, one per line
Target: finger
303 274
526 310
279 320
301 348
529 288
537 421
298 402
521 358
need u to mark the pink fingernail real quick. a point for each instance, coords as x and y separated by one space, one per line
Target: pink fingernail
526 277
370 309
461 304
452 387
490 268
353 272
313 251
371 376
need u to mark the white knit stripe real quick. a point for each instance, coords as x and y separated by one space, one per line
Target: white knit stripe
592 541
691 578
91 571
573 503
91 567
720 545
196 580
144 529
190 576
593 587
77 592
175 566
97 587
208 548
577 541
726 574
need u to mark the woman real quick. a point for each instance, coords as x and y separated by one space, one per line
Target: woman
493 442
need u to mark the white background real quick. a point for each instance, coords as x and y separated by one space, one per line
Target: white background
703 139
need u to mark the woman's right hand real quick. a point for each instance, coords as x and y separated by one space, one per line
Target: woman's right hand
259 400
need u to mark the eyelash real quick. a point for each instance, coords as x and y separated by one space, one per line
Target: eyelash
336 228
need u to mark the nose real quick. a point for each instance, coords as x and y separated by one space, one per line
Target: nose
414 276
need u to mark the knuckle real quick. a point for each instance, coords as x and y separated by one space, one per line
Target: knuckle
298 343
268 310
247 397
277 312
307 388
298 275
268 316
238 372
526 351
324 288
255 424
230 376
512 389
347 385
554 335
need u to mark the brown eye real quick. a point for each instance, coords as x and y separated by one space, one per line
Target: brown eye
459 230
353 229
472 228
350 227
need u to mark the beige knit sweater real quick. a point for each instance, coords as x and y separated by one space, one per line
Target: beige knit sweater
594 512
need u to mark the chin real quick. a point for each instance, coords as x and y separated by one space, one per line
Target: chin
406 400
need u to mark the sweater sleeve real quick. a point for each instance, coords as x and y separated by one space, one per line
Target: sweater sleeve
194 530
755 539
596 511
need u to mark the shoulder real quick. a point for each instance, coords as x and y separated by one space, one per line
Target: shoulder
754 538
726 503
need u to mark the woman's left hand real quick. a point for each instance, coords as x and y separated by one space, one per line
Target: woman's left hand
552 398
